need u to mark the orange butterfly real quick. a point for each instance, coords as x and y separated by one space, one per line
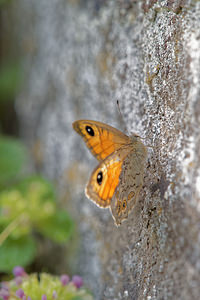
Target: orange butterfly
117 180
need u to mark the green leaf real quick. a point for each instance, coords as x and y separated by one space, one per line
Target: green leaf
31 205
4 2
58 227
20 252
10 78
26 205
13 156
43 188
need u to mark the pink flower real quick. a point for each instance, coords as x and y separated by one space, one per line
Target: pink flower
64 279
4 294
20 293
18 271
77 281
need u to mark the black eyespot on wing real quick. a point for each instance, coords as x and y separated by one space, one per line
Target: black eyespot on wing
89 130
124 204
99 177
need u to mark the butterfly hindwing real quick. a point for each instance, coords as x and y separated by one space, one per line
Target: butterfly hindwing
130 184
103 181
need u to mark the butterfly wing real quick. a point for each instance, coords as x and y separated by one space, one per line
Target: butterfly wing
130 183
100 138
105 178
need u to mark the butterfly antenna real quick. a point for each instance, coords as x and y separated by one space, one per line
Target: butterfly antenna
121 117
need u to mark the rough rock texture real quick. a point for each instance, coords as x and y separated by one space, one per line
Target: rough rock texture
81 57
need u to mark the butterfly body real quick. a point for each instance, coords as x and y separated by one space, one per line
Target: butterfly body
117 180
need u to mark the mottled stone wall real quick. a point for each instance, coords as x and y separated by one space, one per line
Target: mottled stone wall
81 56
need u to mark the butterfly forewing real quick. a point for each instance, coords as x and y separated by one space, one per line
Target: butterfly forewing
101 139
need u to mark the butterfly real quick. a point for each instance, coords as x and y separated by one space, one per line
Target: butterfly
118 179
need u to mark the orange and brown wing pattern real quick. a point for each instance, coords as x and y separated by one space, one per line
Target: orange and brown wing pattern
103 182
118 179
105 178
100 138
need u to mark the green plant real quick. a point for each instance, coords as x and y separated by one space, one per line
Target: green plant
27 204
43 286
10 78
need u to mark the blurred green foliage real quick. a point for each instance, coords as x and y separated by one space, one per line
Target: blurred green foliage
2 2
10 78
27 204
21 251
13 157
